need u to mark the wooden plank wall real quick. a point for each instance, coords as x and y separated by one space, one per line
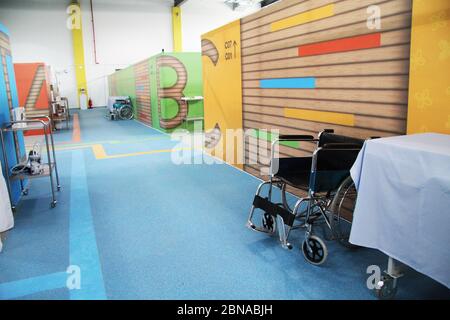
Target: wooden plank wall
143 100
357 72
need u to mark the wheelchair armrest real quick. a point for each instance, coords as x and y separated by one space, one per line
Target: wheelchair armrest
295 137
341 146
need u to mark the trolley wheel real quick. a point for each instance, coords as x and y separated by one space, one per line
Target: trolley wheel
318 253
268 222
53 204
387 288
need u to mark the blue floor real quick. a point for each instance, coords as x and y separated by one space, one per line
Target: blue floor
141 227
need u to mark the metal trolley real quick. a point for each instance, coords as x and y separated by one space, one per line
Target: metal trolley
50 168
61 112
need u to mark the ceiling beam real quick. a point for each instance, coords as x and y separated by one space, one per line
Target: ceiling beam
265 3
177 3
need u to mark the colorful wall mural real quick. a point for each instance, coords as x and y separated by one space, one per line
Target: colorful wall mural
221 57
33 87
9 100
157 86
310 65
429 101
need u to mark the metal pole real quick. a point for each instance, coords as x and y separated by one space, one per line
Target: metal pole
54 159
53 204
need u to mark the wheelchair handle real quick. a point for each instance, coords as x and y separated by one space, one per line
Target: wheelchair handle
295 137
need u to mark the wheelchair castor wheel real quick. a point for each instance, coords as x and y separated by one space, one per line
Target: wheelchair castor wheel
268 222
317 252
387 288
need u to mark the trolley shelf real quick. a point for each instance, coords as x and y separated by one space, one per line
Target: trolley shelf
46 172
29 126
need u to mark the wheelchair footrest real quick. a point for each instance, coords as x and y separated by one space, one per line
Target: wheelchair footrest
274 210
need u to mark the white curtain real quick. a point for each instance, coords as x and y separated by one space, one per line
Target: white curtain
6 216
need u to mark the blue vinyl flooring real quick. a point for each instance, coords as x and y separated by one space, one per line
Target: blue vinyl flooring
141 227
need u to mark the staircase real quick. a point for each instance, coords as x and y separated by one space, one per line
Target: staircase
33 94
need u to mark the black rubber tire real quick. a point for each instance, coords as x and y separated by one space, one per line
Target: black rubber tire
320 251
126 112
268 222
387 291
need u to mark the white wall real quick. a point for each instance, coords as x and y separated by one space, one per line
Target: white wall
127 31
201 16
38 34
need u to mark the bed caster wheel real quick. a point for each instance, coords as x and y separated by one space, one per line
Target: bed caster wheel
53 204
268 222
314 250
386 288
58 188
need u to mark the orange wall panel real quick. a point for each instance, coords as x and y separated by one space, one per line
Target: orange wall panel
25 74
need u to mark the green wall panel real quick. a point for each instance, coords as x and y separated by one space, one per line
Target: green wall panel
172 76
125 85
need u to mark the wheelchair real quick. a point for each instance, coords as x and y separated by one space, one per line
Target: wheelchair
331 194
120 109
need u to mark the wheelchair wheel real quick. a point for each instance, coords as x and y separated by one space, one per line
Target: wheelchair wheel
318 253
341 212
268 222
126 112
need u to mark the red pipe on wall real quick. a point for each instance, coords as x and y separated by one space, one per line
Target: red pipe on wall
93 33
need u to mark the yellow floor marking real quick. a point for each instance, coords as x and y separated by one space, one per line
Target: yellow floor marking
100 152
66 144
73 147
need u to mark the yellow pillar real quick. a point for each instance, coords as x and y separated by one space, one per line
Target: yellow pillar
78 50
176 29
429 80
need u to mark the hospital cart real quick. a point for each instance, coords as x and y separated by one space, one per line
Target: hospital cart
49 168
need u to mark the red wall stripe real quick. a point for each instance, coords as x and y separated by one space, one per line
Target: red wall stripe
341 45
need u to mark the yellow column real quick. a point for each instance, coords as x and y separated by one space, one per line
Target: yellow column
78 52
176 29
429 79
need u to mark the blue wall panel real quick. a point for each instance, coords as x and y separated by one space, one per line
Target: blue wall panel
288 83
5 115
